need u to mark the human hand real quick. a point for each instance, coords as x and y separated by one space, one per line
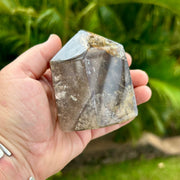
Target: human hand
29 125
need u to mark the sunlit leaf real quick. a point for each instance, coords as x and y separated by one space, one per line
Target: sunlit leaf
86 10
50 20
167 91
173 5
156 119
6 6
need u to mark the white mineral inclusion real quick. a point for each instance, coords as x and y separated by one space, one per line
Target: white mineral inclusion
61 95
57 78
73 98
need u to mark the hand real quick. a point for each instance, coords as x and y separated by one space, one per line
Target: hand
29 125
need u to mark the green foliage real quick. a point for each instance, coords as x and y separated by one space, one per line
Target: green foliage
149 30
156 169
173 5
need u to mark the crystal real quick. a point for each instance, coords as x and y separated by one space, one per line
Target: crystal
92 83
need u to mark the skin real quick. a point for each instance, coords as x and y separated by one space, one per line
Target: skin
29 126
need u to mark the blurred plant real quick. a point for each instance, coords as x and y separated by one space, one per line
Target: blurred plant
149 30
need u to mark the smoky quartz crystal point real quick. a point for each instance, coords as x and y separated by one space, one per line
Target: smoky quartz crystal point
92 83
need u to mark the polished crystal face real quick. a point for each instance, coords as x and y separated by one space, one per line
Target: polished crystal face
92 83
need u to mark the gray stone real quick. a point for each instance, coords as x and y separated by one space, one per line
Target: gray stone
92 83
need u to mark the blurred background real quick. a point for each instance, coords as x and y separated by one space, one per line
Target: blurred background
149 31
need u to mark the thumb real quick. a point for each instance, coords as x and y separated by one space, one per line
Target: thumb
35 61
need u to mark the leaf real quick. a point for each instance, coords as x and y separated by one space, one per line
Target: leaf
11 7
177 70
167 91
51 20
14 40
110 20
86 10
24 11
173 5
6 6
157 120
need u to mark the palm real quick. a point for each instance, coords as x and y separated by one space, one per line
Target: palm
33 107
41 127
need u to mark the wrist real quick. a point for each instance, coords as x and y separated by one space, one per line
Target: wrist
14 167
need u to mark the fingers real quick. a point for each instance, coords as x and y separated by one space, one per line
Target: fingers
139 78
35 61
95 133
90 134
48 75
143 94
129 58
